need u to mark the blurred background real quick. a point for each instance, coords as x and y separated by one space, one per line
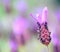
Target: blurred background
11 9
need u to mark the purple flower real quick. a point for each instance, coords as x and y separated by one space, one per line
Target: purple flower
54 39
20 6
57 14
19 25
6 2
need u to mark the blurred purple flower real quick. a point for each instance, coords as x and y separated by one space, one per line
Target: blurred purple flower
12 46
54 39
57 14
19 24
6 2
20 6
7 5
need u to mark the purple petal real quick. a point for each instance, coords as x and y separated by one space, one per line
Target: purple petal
44 14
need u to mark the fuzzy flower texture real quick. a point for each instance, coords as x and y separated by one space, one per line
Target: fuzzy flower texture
43 32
